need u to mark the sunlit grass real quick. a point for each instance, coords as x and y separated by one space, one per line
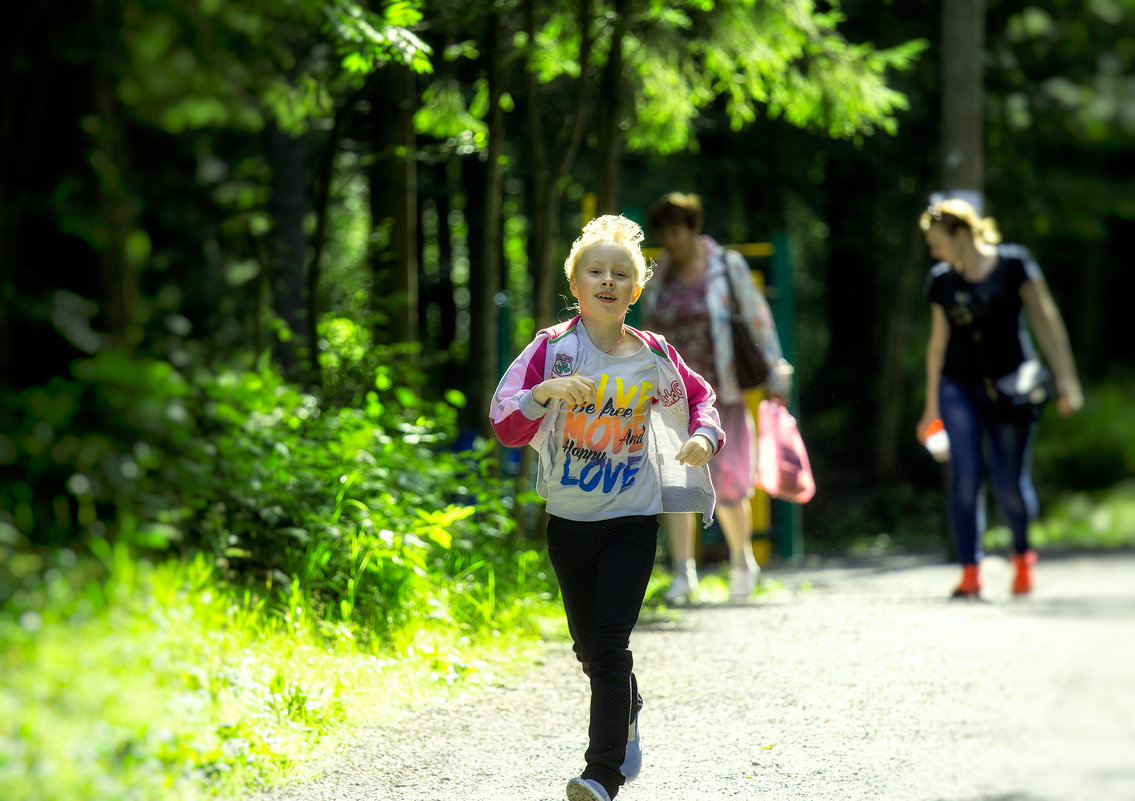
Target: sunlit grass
163 683
1080 520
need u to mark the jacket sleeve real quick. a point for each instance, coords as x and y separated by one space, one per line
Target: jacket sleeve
515 415
701 398
758 315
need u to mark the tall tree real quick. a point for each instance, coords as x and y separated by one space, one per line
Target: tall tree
394 202
549 164
490 273
287 158
962 174
609 114
963 98
661 75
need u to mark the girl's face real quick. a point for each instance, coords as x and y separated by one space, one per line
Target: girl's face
680 241
605 282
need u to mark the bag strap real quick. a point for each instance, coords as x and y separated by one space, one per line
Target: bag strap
734 304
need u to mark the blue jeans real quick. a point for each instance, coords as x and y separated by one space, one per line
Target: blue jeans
972 419
603 568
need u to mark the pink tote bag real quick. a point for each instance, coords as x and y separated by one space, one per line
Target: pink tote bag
782 461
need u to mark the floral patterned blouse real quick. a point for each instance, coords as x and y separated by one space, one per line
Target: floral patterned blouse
721 266
681 315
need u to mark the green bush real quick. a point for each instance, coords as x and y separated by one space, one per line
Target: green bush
232 563
1093 449
366 511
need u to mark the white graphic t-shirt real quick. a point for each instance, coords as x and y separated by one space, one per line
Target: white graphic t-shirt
601 470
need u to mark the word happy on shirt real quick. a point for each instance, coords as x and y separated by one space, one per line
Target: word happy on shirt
603 442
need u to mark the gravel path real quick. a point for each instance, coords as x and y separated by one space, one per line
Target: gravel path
867 685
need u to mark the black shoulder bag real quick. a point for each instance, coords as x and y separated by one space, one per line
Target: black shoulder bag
752 366
1028 387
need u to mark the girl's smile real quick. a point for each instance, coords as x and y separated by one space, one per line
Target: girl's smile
605 282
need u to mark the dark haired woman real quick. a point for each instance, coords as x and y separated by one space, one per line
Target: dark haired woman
689 303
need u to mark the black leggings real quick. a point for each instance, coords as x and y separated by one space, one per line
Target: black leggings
603 568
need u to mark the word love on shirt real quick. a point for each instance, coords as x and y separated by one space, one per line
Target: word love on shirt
602 443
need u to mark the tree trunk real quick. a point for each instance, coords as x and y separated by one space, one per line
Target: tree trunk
116 207
963 31
544 188
325 178
963 47
485 346
288 253
609 113
545 178
394 198
850 279
891 378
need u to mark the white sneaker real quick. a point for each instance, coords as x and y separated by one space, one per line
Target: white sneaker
684 585
586 790
632 762
743 580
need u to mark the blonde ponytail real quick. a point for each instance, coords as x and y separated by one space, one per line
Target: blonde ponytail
956 213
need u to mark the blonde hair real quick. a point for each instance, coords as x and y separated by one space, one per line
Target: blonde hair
953 214
616 230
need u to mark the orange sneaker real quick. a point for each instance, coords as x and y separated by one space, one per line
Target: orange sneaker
970 585
1023 581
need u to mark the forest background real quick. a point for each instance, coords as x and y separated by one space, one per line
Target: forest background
261 265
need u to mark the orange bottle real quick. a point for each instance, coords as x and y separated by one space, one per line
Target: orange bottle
935 440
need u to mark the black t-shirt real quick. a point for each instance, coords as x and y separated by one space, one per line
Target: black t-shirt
988 333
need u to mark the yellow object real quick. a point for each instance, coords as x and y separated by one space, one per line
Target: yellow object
762 550
762 505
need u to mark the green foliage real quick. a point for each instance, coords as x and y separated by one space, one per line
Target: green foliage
176 692
1089 82
783 57
366 40
1076 520
92 450
1062 86
309 529
191 65
1082 520
166 682
1093 449
357 507
785 60
446 114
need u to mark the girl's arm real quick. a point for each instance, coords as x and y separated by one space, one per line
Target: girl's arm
515 413
935 358
1046 322
704 418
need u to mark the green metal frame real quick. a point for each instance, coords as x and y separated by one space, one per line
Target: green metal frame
789 516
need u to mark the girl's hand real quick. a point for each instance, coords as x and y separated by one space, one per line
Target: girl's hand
574 389
697 451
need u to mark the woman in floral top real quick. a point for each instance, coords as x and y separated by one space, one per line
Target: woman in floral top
689 303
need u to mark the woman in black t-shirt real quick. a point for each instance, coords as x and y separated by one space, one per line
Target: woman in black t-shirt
979 363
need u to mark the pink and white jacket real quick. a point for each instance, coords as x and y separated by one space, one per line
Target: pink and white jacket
685 403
